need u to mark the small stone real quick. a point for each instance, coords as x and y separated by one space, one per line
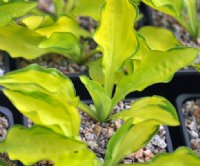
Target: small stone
138 154
155 140
102 144
148 153
198 41
5 122
150 147
162 129
92 144
156 151
97 130
1 72
100 151
127 161
162 144
90 136
195 144
148 158
191 125
118 123
141 160
197 114
193 134
110 131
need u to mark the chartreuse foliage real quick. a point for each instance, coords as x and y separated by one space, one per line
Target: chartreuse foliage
153 60
39 33
131 61
116 37
184 11
81 8
10 10
40 143
55 133
40 88
18 40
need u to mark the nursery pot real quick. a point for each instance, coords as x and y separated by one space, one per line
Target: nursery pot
6 62
5 102
147 15
9 116
179 103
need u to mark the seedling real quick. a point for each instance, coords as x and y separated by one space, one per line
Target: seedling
184 11
131 62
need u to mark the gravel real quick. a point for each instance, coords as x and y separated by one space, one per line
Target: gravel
166 21
44 163
4 125
55 61
60 62
191 113
97 135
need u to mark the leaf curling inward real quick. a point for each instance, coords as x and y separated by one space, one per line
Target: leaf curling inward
153 66
30 145
50 94
116 37
150 108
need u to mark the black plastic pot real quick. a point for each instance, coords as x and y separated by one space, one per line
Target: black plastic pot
179 103
6 61
147 15
168 140
186 81
8 114
5 102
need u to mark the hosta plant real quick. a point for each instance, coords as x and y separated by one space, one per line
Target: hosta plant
184 11
30 33
55 134
131 62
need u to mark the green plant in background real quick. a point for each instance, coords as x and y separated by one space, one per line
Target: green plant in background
38 33
131 62
184 11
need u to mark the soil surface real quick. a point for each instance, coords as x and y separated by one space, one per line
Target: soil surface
168 22
55 61
97 135
191 113
4 125
60 62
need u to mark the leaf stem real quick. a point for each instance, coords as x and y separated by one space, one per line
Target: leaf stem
85 108
86 56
